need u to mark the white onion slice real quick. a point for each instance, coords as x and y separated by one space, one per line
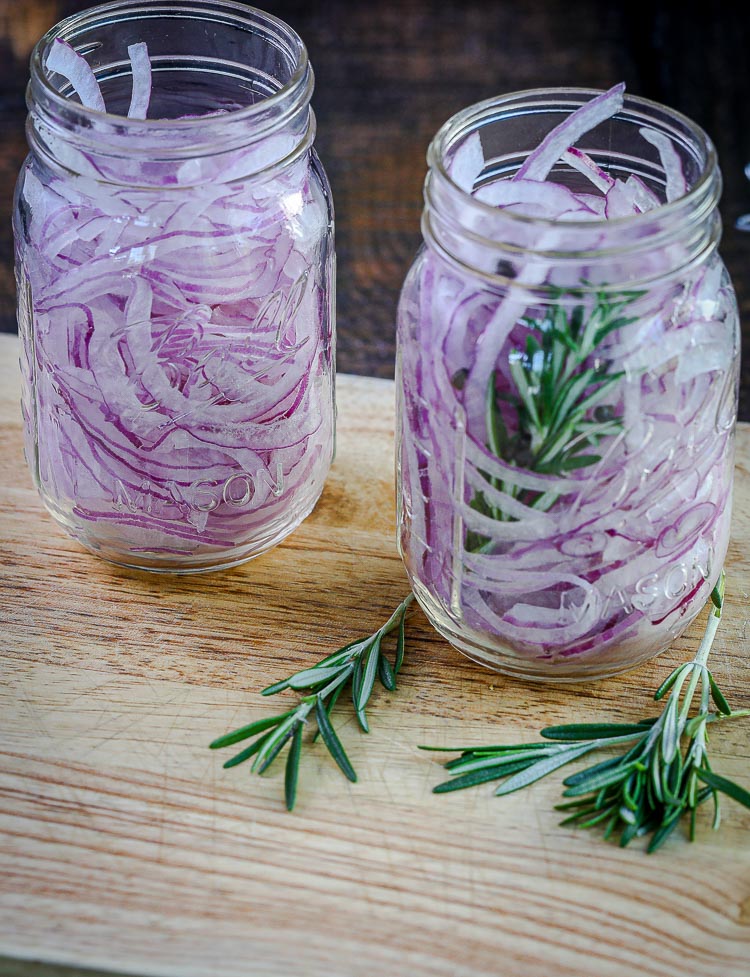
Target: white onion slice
141 67
676 185
65 61
467 163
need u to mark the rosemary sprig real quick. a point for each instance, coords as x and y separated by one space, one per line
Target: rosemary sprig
663 775
559 380
356 665
555 414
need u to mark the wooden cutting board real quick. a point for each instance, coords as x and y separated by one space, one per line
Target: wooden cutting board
124 846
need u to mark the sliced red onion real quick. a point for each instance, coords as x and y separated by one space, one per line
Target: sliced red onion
538 163
65 61
141 68
598 575
593 202
467 163
547 198
184 394
676 185
643 198
619 202
584 164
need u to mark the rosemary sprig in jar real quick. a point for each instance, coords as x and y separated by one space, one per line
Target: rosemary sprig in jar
556 404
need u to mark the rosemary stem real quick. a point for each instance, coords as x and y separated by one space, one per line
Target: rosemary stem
704 649
332 685
696 672
734 714
395 618
698 666
625 738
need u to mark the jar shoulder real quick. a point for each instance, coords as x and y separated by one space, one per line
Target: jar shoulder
52 208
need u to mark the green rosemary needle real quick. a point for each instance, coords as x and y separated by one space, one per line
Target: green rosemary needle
555 401
356 665
663 774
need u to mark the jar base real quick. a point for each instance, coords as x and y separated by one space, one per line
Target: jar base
545 678
179 568
182 563
507 662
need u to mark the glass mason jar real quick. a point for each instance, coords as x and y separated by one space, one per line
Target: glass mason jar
176 287
567 393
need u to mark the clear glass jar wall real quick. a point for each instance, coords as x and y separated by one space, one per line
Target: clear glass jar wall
567 394
176 288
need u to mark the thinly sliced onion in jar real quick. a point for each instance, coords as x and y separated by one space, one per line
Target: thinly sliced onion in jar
184 399
141 67
540 161
64 60
569 565
676 185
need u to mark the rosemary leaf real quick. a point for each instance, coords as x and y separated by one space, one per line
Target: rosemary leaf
541 768
356 692
670 680
727 787
597 818
664 831
246 731
587 731
276 742
465 764
599 779
332 742
368 675
311 677
670 734
482 776
246 753
292 768
577 778
332 700
386 673
718 696
484 750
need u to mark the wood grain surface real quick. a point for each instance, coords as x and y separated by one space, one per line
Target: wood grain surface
388 74
125 848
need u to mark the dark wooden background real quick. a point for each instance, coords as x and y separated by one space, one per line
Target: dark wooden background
388 75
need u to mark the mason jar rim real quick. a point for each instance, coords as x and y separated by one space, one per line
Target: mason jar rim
473 117
296 92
